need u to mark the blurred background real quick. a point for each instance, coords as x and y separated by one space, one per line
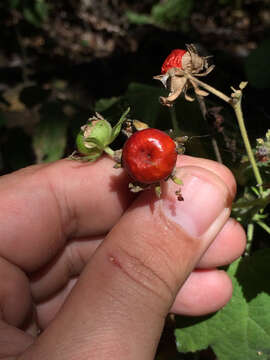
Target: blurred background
60 61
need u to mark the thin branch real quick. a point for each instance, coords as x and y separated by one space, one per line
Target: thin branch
236 104
174 121
203 108
208 88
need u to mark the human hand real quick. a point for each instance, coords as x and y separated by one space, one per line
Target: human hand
131 258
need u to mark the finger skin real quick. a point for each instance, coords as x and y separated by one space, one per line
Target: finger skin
220 170
135 274
36 199
229 244
69 263
14 286
204 292
15 307
13 341
66 199
49 204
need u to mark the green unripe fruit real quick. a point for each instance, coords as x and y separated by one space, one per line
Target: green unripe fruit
97 133
94 137
94 152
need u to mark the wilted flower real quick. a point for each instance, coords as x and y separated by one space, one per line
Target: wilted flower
179 71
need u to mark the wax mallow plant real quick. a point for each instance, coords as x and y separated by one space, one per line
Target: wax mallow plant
243 324
179 74
149 157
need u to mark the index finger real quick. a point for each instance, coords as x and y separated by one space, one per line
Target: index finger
43 206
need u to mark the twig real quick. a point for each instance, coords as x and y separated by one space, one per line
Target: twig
174 121
235 102
213 139
208 88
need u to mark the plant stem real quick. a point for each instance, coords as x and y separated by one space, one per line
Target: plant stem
213 139
109 151
259 203
264 226
239 115
235 102
250 233
209 88
174 121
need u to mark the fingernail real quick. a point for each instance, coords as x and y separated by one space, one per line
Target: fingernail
205 201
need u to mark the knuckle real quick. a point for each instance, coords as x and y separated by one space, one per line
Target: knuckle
144 275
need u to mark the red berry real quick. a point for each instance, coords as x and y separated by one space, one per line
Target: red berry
149 156
174 59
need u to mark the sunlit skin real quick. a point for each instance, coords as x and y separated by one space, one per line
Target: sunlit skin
70 223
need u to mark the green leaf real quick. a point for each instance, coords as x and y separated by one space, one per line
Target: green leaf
143 100
139 19
257 66
241 330
117 128
84 43
172 11
168 13
13 4
31 17
49 140
105 103
42 9
249 208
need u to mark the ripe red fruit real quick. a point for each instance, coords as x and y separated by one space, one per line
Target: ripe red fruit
149 156
174 59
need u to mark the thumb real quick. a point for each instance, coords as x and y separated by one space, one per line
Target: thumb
118 307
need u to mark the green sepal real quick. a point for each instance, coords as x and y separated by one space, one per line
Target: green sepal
82 149
93 152
117 128
84 158
177 180
91 157
100 133
158 190
94 143
109 151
